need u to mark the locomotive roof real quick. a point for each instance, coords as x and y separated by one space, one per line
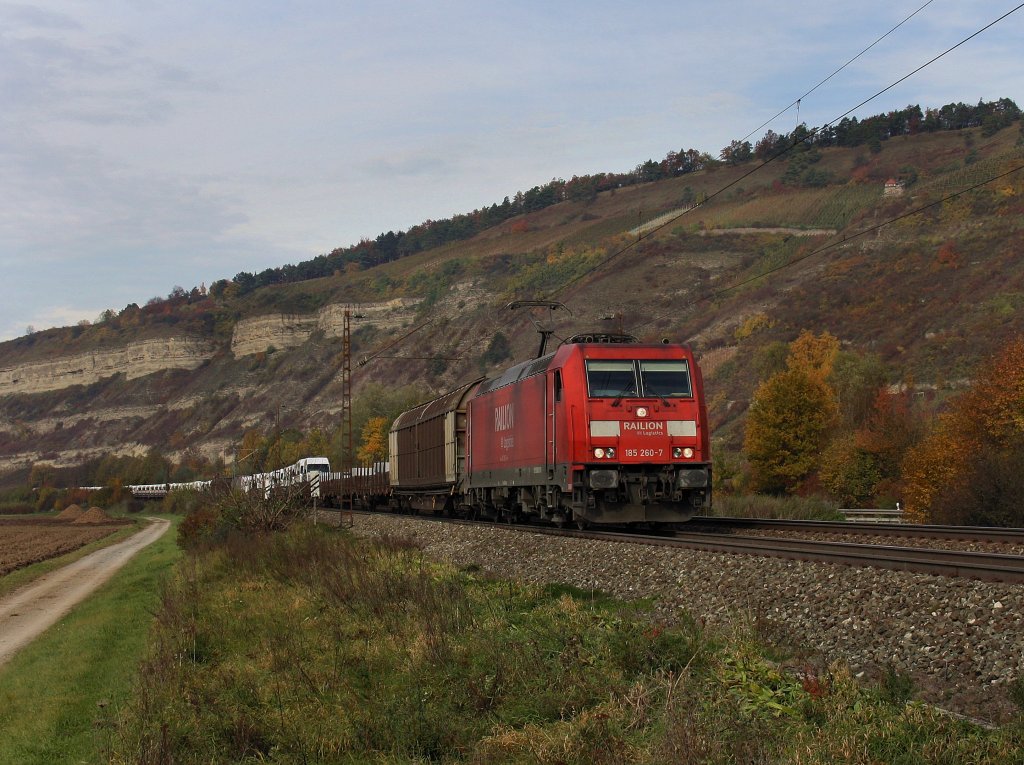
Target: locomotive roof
518 372
584 342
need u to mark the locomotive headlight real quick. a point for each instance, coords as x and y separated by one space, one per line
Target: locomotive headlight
677 451
688 453
599 453
610 453
641 411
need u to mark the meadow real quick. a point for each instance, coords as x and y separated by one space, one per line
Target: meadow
315 646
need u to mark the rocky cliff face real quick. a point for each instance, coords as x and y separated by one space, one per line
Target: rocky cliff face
281 331
251 336
132 360
177 392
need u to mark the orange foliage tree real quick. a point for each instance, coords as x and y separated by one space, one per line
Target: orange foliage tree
864 464
813 354
790 417
970 468
374 446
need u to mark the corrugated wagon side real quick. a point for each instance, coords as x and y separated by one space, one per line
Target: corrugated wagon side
427 451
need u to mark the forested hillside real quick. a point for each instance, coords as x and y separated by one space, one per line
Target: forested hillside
894 240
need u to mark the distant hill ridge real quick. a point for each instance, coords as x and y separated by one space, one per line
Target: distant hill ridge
928 295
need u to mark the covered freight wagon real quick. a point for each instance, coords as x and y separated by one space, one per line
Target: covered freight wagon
426 448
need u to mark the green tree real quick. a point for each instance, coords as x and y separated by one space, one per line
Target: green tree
787 426
737 152
849 473
498 350
857 379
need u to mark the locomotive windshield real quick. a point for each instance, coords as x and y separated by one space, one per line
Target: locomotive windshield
639 379
611 379
669 379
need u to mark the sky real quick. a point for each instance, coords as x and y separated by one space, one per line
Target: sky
146 145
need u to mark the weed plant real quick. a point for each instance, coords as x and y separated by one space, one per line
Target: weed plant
771 507
313 646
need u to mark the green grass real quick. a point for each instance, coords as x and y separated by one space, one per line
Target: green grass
769 507
312 646
58 696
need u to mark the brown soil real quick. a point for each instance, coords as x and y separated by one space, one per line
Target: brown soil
93 515
25 613
32 540
70 513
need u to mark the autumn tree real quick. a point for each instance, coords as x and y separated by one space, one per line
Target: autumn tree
863 465
970 467
813 354
374 400
252 453
374 446
791 416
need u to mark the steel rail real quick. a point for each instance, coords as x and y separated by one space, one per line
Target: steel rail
970 533
947 563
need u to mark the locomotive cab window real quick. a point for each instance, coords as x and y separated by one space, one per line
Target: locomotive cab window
668 379
611 379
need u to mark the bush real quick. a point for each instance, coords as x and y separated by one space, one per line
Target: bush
896 687
200 528
182 502
770 507
1016 691
17 508
214 515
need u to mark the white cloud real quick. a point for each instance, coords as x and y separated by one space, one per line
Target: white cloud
145 145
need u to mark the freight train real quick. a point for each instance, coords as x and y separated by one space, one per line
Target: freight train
605 430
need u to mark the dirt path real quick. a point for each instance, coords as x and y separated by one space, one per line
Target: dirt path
27 613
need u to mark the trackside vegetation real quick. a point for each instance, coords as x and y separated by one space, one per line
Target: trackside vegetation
312 645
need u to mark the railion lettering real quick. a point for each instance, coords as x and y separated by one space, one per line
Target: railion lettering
644 425
504 417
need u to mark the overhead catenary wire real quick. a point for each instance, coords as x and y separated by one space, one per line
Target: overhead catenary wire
844 240
837 71
645 235
792 144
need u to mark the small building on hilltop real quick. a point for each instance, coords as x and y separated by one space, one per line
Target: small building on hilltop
893 188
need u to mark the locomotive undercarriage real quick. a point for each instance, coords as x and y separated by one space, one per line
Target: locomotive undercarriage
600 495
641 494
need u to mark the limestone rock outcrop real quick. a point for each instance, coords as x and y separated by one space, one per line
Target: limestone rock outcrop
280 331
133 360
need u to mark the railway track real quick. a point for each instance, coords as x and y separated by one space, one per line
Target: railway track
991 567
994 567
871 528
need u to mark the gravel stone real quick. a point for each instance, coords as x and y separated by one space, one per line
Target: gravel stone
961 640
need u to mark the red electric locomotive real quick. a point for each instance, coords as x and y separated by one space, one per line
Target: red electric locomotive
603 430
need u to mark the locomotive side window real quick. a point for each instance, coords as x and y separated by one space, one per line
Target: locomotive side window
611 379
557 384
669 379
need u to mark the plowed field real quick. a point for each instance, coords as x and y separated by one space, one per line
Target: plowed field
24 541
